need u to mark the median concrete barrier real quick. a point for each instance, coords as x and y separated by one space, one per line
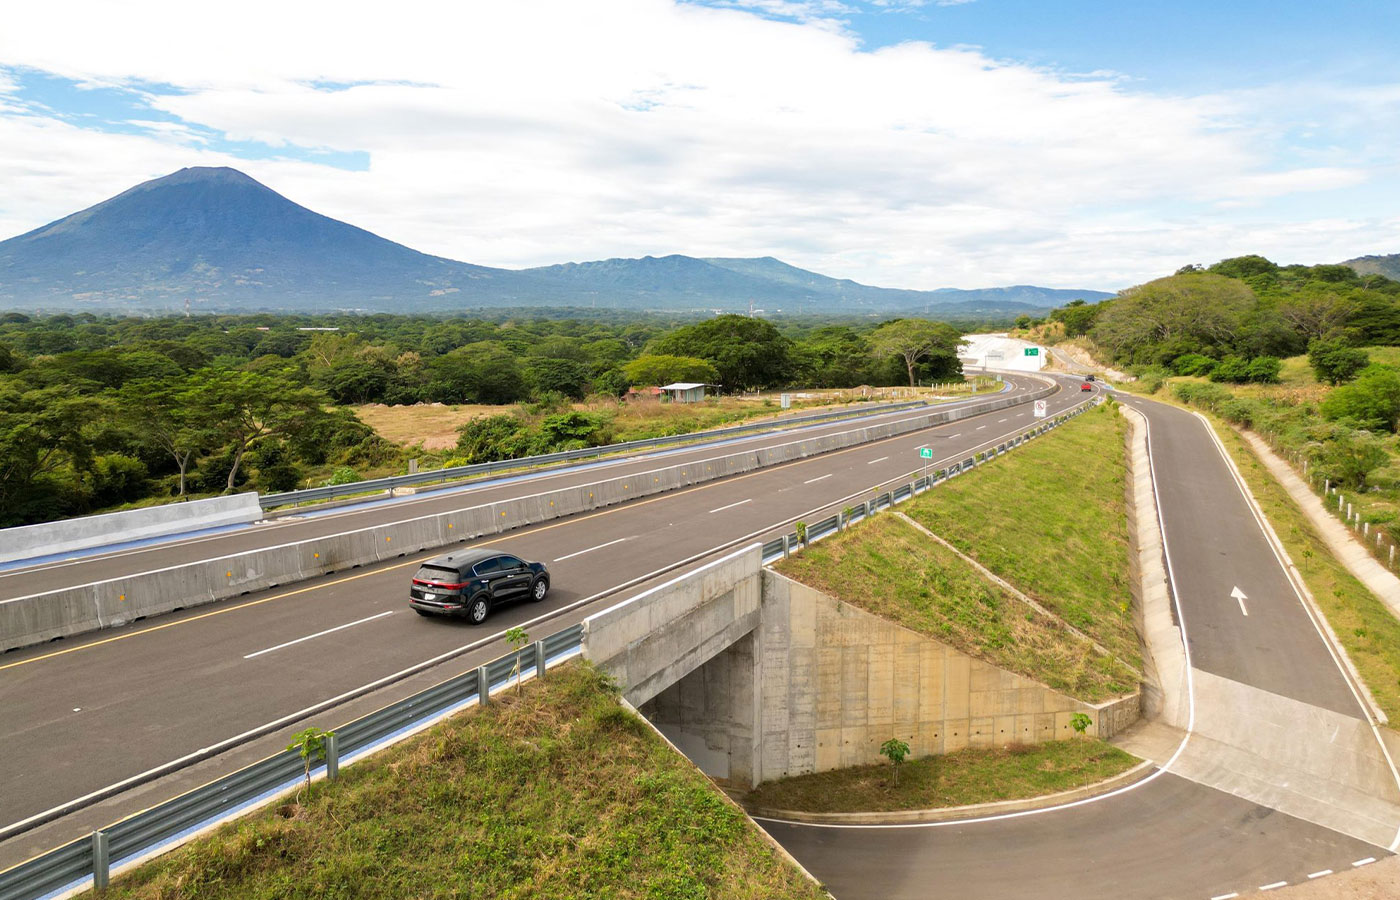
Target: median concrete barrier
50 538
42 617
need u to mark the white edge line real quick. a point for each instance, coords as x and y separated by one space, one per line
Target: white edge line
1270 887
1290 574
590 549
385 680
1363 862
1229 896
1161 770
494 503
1320 874
387 612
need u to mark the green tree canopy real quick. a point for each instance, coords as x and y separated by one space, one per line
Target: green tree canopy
748 353
1335 361
914 340
658 370
1193 313
1371 402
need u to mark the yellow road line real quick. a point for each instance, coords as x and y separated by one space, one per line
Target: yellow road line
531 529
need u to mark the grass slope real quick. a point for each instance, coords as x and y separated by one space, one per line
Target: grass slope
558 793
1051 519
955 779
1063 540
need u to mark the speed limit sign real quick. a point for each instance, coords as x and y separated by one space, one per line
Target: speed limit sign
1040 409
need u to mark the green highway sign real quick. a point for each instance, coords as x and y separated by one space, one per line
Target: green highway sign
926 452
1032 351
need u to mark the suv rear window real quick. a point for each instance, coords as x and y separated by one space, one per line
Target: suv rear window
433 573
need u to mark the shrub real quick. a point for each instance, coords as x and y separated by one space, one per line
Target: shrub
1264 369
342 475
1193 364
1371 402
1232 369
117 479
1335 361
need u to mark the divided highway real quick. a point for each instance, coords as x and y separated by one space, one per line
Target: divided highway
85 713
1200 827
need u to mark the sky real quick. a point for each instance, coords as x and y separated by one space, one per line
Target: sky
903 143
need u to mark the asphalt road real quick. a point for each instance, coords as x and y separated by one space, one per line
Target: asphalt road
1170 837
89 568
84 713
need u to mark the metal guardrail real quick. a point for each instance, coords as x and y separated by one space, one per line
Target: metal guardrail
330 492
791 542
89 860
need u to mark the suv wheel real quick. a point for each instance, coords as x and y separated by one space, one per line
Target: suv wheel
538 588
477 609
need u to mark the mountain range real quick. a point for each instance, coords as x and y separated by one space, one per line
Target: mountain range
1388 265
221 241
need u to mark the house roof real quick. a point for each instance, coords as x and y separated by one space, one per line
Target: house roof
682 386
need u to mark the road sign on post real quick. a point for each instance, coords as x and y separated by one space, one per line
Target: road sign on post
926 454
1040 409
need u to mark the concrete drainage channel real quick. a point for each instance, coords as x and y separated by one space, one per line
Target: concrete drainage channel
88 862
37 618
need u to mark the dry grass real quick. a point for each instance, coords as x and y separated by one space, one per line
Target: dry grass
559 792
431 425
963 778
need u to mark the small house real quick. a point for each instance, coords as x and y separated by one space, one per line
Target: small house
684 391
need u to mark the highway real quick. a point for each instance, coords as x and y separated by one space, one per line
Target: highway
85 713
88 712
16 581
1170 836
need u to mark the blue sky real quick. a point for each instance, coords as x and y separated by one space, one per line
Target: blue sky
902 143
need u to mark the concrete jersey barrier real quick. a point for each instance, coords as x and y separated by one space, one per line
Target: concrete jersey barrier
41 617
28 541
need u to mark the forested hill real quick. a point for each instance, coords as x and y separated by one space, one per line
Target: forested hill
226 243
1388 265
1239 310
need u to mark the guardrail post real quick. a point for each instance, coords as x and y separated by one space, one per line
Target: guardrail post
787 546
101 865
483 686
540 662
332 750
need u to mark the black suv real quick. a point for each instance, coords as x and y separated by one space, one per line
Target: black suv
470 582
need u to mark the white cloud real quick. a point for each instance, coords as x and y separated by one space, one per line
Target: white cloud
532 132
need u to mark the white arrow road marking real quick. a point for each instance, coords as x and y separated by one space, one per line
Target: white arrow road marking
320 633
1240 596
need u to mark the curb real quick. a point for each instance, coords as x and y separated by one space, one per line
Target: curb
953 813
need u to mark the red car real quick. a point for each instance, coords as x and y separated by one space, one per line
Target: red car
1086 386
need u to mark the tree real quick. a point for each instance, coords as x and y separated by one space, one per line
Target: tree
1334 361
895 751
245 407
747 353
657 370
1078 317
912 340
42 431
1179 314
1371 402
169 415
310 745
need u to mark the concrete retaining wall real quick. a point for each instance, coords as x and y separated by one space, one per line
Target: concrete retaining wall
839 682
28 541
42 617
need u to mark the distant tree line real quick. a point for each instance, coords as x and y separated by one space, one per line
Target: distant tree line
97 412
